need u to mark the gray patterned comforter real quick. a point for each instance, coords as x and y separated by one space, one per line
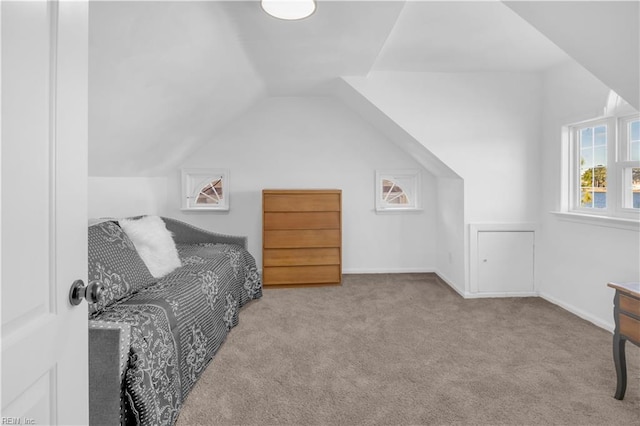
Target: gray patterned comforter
178 324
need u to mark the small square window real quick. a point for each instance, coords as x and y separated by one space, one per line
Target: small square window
205 189
397 190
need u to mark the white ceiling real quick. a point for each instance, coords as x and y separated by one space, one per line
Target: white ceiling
164 76
340 38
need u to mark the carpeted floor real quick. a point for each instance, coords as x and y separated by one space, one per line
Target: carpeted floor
405 349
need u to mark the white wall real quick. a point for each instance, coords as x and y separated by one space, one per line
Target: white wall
574 260
450 225
126 196
315 143
451 255
486 128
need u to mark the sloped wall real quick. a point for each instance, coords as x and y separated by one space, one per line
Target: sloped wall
485 126
315 143
603 36
163 76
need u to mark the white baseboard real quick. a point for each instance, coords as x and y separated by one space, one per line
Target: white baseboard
388 270
609 326
500 294
468 295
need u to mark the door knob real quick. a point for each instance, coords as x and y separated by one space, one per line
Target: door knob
79 291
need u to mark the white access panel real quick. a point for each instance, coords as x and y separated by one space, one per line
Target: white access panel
505 261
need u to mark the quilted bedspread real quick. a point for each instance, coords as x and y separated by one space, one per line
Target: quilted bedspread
178 324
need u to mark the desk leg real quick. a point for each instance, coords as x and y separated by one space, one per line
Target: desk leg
621 365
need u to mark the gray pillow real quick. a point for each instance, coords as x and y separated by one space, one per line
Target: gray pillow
114 263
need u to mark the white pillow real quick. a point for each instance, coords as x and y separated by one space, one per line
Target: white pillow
154 244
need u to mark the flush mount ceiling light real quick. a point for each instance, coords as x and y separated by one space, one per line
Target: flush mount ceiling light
289 10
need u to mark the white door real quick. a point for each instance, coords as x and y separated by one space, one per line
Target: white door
44 211
505 261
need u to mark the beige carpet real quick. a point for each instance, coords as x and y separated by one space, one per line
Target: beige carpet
405 349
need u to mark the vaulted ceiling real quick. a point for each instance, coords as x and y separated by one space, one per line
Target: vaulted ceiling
164 76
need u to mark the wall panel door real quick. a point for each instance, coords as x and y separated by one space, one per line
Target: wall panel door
505 261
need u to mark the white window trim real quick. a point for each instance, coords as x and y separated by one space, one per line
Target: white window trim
614 215
623 121
192 181
591 219
574 158
625 164
414 180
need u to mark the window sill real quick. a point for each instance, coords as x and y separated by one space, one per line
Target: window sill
607 221
396 211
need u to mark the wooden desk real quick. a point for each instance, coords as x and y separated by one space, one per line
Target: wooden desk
626 311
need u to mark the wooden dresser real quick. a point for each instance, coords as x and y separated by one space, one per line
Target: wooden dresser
301 237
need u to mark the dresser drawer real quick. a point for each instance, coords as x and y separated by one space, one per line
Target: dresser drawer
630 327
302 238
629 304
302 220
321 202
299 257
301 275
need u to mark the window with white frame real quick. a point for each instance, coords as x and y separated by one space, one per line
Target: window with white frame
397 190
605 167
